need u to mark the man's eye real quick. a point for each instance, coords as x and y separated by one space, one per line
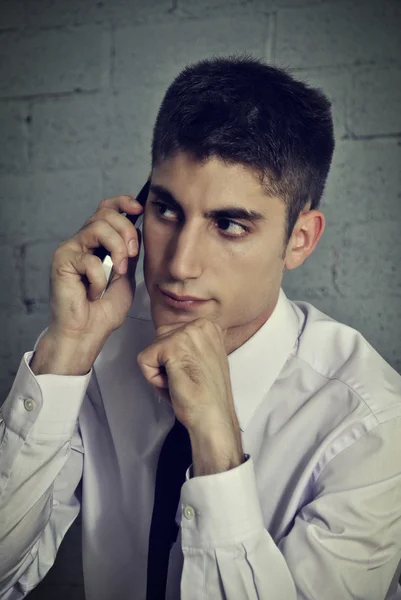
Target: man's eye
243 229
160 206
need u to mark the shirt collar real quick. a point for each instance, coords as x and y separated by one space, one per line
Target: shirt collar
256 364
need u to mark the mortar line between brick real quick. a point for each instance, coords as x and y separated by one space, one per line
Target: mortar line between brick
333 66
50 95
376 136
33 29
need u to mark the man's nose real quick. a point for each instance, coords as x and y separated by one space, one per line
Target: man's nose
187 253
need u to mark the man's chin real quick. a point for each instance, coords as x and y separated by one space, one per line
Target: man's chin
163 316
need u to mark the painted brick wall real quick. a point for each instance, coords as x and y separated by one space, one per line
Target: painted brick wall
80 85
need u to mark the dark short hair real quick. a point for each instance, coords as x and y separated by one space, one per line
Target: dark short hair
243 111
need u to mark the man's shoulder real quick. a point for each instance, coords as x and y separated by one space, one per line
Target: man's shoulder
340 353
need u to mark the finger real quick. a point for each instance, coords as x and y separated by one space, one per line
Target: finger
68 264
123 203
101 233
163 330
121 224
119 283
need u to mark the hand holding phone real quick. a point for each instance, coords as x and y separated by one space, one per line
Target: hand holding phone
87 304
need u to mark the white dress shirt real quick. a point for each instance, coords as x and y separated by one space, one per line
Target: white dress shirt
313 514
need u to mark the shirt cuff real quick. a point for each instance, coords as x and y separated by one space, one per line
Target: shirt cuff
189 474
221 509
49 403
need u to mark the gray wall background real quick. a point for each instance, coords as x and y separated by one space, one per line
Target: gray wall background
80 85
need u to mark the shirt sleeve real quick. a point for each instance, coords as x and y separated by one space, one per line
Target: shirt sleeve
344 544
41 458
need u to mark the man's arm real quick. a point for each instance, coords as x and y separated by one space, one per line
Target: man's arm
346 543
41 461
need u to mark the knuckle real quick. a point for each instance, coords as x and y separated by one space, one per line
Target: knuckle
103 203
90 259
97 225
91 262
105 211
106 202
59 252
79 257
207 327
56 270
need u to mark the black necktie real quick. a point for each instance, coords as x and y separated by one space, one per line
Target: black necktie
175 458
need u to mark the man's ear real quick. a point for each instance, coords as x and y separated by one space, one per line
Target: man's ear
307 232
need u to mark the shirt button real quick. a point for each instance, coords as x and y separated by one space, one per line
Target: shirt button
29 404
189 513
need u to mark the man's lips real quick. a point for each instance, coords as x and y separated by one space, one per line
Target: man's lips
183 298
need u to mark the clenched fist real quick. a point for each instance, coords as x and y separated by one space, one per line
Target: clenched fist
187 365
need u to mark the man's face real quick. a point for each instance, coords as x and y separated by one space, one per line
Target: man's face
239 272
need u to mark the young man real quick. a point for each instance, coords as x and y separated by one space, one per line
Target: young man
235 446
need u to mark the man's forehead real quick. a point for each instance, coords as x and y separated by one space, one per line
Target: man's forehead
182 172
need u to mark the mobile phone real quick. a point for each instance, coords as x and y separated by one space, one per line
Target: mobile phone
104 254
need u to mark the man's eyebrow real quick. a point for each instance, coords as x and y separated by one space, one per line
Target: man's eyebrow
225 212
